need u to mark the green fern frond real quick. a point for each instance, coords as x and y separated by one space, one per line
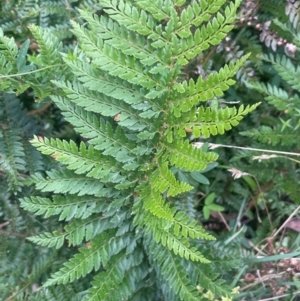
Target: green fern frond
163 179
67 207
285 69
96 80
121 90
82 160
183 155
66 181
50 46
206 89
273 136
158 9
162 232
102 248
112 61
195 15
47 239
16 154
99 103
154 202
125 41
101 134
51 7
186 227
117 281
210 34
173 272
208 278
75 232
275 96
131 18
208 121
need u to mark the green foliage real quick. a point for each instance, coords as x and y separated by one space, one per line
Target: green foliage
116 189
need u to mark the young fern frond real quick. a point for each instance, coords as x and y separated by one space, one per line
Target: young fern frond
162 180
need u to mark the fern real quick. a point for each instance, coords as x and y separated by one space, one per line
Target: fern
284 97
115 189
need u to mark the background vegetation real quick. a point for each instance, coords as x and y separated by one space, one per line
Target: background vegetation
248 199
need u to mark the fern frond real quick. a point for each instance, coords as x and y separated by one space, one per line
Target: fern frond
110 60
101 134
99 103
183 155
49 45
162 232
275 96
78 230
204 89
120 88
47 239
285 69
67 207
158 9
82 160
9 49
126 41
51 7
102 248
173 272
210 34
187 227
66 181
117 282
274 136
154 202
207 277
195 14
208 121
131 18
96 80
163 179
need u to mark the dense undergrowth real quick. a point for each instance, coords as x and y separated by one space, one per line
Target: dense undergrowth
149 150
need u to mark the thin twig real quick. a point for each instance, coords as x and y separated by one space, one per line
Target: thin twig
224 221
279 297
289 218
257 249
40 111
68 6
29 72
213 146
283 225
13 234
4 224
